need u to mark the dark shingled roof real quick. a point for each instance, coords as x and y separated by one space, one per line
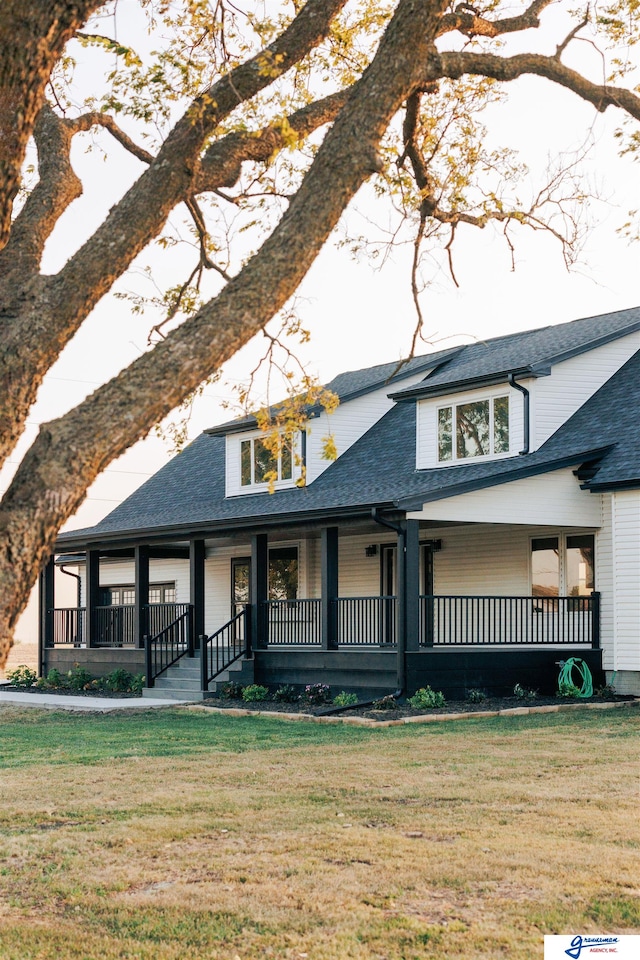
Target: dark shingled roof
355 383
533 351
379 469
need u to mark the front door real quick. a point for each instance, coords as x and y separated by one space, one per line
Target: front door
426 589
240 583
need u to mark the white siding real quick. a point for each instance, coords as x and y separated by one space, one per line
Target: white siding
626 546
427 423
605 582
557 397
552 498
358 575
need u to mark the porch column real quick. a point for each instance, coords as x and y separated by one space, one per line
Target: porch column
412 585
329 587
47 603
93 590
141 612
259 589
196 587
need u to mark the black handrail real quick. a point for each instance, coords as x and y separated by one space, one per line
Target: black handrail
224 647
168 646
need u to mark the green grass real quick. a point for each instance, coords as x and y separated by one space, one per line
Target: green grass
191 835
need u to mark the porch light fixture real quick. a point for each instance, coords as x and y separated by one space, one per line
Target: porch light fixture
371 550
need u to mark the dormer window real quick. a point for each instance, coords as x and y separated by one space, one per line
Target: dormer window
258 465
476 429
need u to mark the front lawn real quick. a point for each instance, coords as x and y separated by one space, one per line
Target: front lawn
187 834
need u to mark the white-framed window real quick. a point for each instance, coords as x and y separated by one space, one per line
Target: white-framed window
124 595
473 428
259 466
563 565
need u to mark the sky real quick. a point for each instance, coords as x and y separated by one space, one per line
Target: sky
360 313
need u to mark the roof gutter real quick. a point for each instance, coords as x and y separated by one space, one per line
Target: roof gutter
526 412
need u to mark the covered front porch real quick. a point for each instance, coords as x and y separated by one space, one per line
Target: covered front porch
378 604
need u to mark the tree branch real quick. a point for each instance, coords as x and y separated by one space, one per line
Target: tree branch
56 189
32 38
456 65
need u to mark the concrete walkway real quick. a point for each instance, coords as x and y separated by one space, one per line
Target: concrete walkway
53 701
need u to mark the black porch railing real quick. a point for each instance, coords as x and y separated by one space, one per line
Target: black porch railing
294 622
69 626
114 626
474 621
166 648
367 621
225 646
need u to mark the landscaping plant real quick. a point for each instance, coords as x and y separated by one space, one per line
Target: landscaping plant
426 697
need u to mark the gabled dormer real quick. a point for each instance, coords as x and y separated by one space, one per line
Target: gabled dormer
506 397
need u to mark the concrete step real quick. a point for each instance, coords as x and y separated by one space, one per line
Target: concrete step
182 680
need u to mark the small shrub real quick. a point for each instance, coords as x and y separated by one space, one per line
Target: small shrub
231 690
524 693
254 692
427 698
344 699
385 703
569 690
22 676
78 678
476 696
137 683
53 680
286 694
118 681
316 694
607 692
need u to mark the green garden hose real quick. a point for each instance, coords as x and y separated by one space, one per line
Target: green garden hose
566 679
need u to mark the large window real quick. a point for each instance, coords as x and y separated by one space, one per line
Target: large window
259 465
476 429
563 565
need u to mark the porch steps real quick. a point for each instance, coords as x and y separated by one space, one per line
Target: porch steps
182 680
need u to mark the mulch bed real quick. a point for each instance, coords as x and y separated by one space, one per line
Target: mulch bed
404 710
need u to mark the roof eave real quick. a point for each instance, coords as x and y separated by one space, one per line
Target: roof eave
457 386
186 531
527 469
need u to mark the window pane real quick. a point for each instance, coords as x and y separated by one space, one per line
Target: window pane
283 573
263 463
129 596
169 594
245 462
445 443
286 463
580 566
545 567
155 595
501 425
472 429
